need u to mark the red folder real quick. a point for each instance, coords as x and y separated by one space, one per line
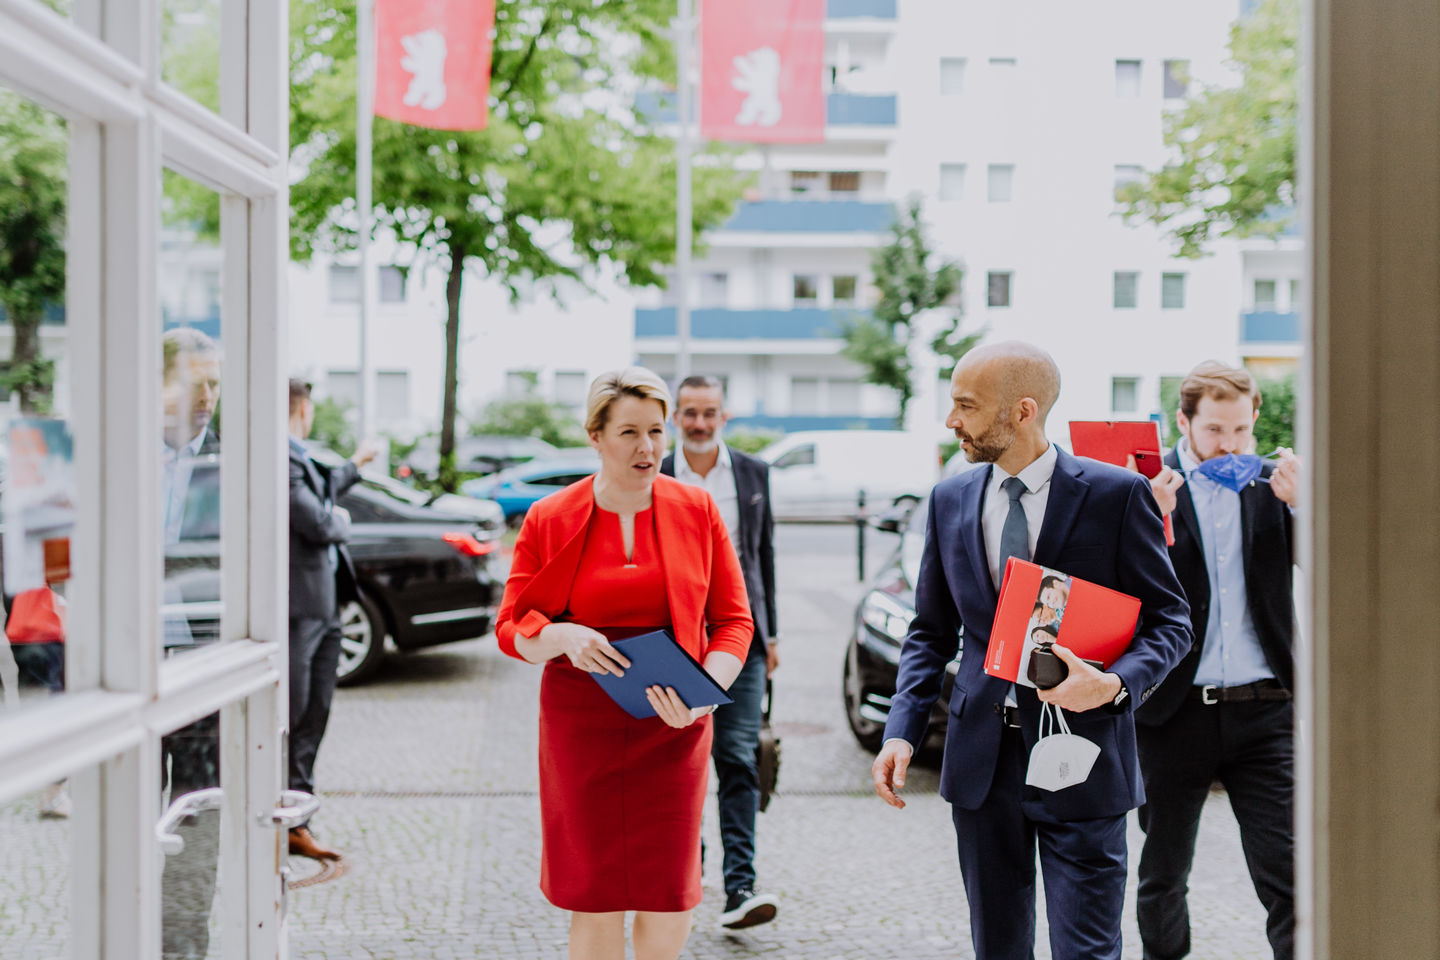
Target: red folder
1095 622
1114 441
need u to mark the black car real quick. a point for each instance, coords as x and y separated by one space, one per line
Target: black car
424 566
881 622
484 454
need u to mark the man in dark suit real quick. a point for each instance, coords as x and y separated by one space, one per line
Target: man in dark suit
321 578
1087 519
740 486
1225 712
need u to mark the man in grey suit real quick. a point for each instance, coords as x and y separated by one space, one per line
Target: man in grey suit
740 486
321 577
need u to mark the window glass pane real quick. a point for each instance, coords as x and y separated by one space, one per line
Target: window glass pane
1264 295
1127 78
800 456
999 182
806 289
343 386
806 181
1177 79
344 284
519 383
1126 173
190 49
998 289
1125 394
845 181
714 290
804 396
392 395
952 76
952 181
571 387
392 284
843 289
1294 296
191 258
1172 291
1127 289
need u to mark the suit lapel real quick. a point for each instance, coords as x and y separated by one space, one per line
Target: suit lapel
744 490
1184 503
972 529
1067 494
567 526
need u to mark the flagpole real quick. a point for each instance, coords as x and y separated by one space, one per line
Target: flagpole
364 204
683 201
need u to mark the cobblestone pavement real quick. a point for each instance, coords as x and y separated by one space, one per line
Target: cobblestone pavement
429 779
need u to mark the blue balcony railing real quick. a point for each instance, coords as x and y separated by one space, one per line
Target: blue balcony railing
711 323
1269 326
842 109
812 216
53 315
848 9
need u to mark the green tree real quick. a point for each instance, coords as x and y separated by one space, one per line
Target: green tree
332 426
1235 169
910 281
565 178
530 416
1276 426
34 178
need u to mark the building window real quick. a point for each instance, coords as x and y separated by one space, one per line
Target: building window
842 290
997 288
1126 173
1264 296
806 289
392 284
571 387
1172 291
714 290
1127 79
952 76
952 181
845 181
843 398
1124 394
1294 296
392 395
344 284
343 386
805 396
806 182
1127 290
520 383
999 181
1177 79
1002 65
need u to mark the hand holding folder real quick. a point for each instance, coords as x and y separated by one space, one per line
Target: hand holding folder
656 660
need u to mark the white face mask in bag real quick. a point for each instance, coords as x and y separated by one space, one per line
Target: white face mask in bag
1060 758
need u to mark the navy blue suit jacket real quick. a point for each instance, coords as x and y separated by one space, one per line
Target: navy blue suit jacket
1101 524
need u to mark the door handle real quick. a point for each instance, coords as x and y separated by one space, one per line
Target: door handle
187 804
296 807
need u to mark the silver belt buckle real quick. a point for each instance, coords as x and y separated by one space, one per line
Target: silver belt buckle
1207 694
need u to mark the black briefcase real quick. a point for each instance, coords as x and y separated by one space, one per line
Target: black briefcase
767 752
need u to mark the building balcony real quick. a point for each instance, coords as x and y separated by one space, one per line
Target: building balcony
870 110
1269 326
811 217
853 9
53 315
719 323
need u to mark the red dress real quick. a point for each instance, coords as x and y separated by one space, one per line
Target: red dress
620 798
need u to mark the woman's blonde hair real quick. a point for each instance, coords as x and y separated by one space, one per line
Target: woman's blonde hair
630 382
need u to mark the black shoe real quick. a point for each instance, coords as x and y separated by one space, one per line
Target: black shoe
746 908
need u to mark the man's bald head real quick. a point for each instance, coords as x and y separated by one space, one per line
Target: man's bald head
1015 370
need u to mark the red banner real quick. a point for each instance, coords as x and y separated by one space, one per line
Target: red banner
762 66
432 66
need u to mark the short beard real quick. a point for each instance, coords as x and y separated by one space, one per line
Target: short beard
990 445
701 448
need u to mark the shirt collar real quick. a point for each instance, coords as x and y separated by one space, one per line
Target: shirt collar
1035 476
1188 463
682 465
190 449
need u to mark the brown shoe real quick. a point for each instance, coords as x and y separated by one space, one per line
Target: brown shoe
303 843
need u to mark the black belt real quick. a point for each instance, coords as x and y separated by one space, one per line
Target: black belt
1266 689
1010 716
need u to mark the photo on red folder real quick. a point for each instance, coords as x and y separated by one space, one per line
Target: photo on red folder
1115 441
1039 605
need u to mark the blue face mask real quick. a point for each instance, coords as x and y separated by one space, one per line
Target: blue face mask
1234 471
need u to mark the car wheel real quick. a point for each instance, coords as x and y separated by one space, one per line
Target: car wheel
868 733
362 641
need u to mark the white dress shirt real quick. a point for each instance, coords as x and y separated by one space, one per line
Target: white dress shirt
1036 478
720 483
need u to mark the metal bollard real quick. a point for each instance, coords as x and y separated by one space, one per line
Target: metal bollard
860 534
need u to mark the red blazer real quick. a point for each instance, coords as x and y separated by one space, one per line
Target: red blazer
709 608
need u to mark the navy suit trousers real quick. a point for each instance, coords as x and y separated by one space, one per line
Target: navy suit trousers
1084 864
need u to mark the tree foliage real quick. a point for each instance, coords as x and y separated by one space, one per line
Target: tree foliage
34 178
1276 425
531 416
564 178
1234 173
909 282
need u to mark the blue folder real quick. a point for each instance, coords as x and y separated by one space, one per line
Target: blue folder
657 660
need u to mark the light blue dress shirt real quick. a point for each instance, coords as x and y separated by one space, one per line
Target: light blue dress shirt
1231 655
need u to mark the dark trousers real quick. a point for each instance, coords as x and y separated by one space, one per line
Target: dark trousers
1084 864
314 657
1249 748
737 734
190 761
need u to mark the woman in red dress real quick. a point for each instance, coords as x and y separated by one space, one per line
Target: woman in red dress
616 555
